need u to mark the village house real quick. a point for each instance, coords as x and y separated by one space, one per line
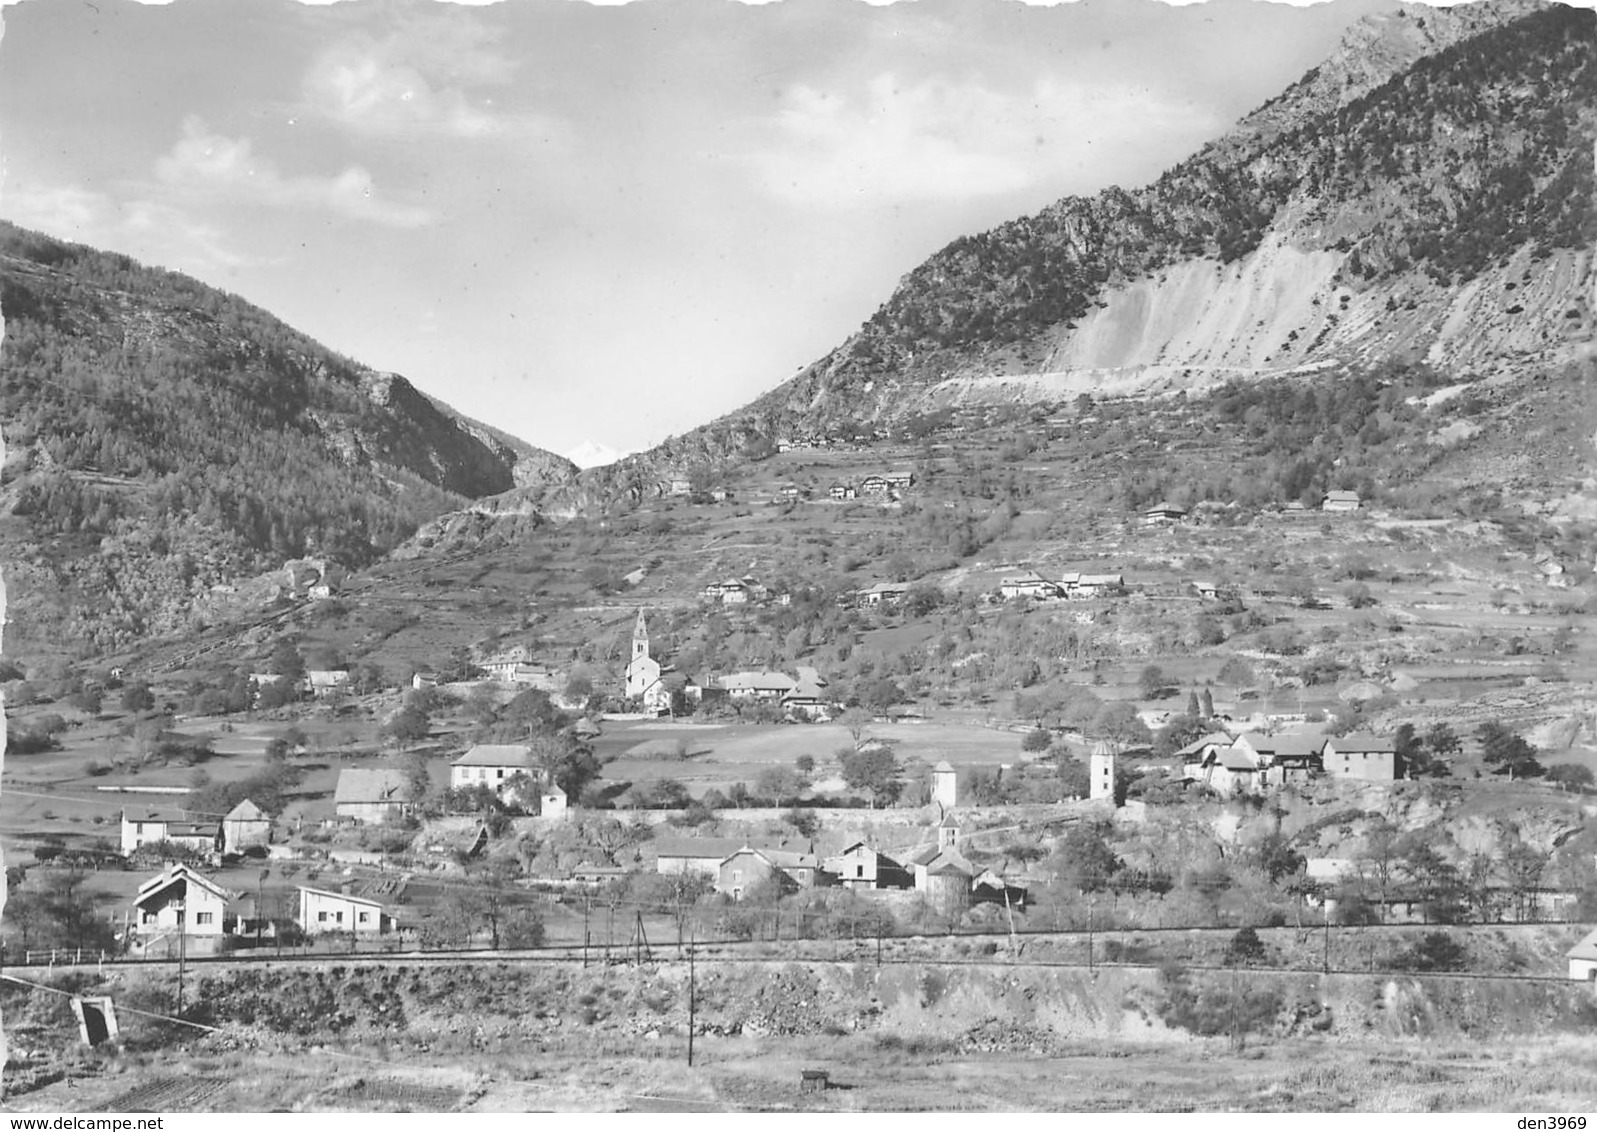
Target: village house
701 856
322 912
789 491
322 682
1340 501
748 868
245 826
874 485
808 696
372 795
736 591
1096 585
900 480
862 866
154 827
1360 755
420 680
679 485
1287 757
749 686
1208 591
1029 584
501 666
842 491
882 593
498 766
179 900
1163 512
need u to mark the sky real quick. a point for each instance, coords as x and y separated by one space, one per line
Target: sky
592 224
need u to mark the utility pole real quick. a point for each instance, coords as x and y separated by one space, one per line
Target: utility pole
587 903
182 956
1326 960
1091 904
692 988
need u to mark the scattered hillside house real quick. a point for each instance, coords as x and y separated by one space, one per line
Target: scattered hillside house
589 873
874 485
1163 512
882 593
179 900
1552 573
1207 590
736 591
747 686
498 766
680 485
899 480
552 802
808 697
862 866
420 680
322 912
501 666
696 855
1226 770
789 491
1199 751
841 491
1583 959
1360 755
372 795
326 681
245 825
1028 584
153 827
262 679
1340 501
1287 757
1096 585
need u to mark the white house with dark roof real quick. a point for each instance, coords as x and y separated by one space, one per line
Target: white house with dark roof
1029 583
493 765
758 685
142 827
1362 756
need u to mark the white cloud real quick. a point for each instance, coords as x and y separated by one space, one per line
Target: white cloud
208 165
415 77
145 229
899 142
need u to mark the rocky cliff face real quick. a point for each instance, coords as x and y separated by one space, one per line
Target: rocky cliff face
1423 195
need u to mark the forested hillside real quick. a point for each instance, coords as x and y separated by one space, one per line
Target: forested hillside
163 437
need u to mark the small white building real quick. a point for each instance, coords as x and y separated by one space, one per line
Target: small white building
552 802
1101 784
1583 959
321 912
152 827
945 785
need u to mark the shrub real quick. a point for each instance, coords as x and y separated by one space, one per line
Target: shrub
1245 949
1037 740
1434 951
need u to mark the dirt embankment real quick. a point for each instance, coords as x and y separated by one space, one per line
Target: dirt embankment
976 1008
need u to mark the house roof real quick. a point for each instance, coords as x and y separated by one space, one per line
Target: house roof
1363 741
720 848
805 690
787 859
943 768
1101 580
1585 949
950 862
349 896
382 784
759 682
1198 746
176 874
1026 578
1233 759
495 754
553 791
177 824
246 811
922 855
1165 505
1342 497
1289 744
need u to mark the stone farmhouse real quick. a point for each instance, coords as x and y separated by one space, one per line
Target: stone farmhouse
245 826
372 795
1340 501
1163 512
498 766
1253 763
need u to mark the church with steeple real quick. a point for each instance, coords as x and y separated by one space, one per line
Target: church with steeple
643 671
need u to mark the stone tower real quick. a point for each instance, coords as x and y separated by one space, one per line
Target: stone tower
1102 773
945 785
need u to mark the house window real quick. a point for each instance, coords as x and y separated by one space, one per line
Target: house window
737 875
138 827
147 918
859 870
364 917
205 917
339 917
501 772
321 917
